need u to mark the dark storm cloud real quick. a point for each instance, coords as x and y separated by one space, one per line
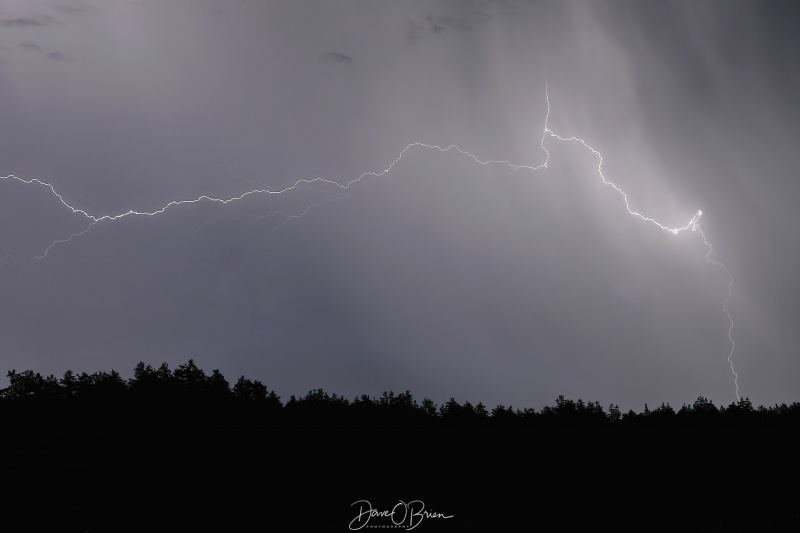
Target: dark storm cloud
27 22
336 57
75 10
442 276
57 56
456 17
434 24
51 55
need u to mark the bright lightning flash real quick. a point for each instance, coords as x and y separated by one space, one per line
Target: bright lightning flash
693 224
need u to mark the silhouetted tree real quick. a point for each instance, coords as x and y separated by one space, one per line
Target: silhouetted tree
663 414
217 386
108 385
69 384
22 384
249 390
429 408
614 414
190 377
503 415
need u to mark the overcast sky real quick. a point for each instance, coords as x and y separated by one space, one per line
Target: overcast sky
442 276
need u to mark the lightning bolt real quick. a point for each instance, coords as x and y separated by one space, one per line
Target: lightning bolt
724 306
289 217
60 241
693 224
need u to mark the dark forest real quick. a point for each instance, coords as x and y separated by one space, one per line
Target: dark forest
183 448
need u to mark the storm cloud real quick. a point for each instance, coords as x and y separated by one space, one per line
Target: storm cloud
56 56
336 57
27 22
443 275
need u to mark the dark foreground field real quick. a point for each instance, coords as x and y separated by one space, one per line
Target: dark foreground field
182 450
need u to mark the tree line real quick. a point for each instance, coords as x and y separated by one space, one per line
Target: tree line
190 385
107 450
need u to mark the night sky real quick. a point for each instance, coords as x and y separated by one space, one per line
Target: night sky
443 276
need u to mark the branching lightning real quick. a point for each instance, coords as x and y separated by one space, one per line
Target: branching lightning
693 224
724 306
288 217
60 241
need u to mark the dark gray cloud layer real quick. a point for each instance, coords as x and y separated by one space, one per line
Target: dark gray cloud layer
76 10
27 22
443 276
56 56
336 57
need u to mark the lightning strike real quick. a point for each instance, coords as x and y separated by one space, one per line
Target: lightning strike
693 224
289 217
68 239
724 306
